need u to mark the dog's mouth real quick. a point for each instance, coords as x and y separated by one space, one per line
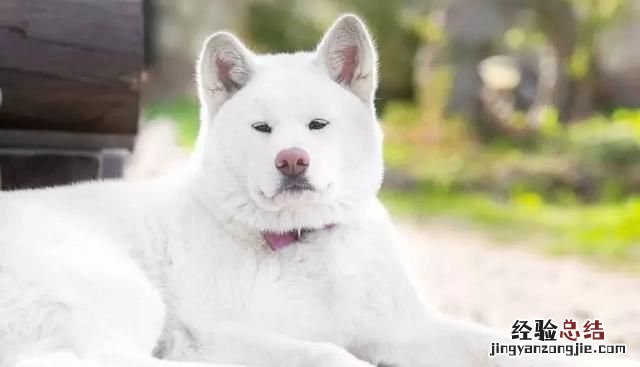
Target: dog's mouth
279 240
295 185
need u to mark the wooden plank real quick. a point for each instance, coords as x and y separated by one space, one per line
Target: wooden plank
30 55
33 169
70 65
35 102
112 25
24 139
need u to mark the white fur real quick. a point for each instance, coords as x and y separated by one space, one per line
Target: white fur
104 273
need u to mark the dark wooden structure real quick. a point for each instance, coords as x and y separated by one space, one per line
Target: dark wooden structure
69 78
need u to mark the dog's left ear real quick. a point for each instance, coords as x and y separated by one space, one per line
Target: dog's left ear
347 53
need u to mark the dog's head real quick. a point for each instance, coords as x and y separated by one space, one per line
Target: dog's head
290 140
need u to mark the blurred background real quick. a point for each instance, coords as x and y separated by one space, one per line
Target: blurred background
512 139
512 129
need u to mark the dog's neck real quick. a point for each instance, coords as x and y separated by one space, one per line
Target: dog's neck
272 240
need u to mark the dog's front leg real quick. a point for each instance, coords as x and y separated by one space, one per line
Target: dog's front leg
428 341
236 343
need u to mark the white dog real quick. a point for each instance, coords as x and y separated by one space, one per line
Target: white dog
269 248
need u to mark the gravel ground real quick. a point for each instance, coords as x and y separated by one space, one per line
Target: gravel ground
464 275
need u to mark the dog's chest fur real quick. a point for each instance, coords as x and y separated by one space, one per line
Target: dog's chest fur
312 290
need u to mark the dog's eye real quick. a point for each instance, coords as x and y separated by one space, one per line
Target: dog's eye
317 124
263 127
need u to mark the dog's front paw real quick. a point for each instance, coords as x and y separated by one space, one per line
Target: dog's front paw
330 355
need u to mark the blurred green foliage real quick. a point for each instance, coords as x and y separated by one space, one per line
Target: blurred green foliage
184 112
603 232
279 25
597 15
582 161
576 188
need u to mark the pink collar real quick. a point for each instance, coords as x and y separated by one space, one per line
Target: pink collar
279 240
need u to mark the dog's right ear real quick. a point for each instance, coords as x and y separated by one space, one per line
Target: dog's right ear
224 67
347 53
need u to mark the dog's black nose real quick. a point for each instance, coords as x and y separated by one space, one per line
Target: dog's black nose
292 162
